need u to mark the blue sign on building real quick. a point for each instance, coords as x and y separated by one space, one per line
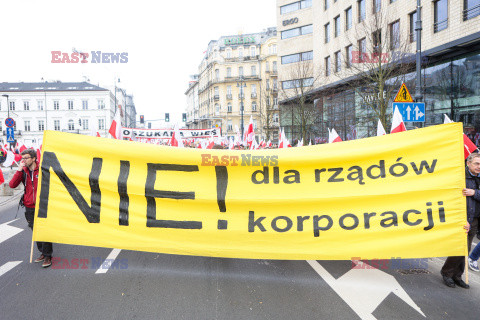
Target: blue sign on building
411 111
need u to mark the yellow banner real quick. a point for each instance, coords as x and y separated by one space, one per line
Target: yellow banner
398 195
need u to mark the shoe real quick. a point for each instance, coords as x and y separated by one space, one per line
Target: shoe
47 263
39 259
448 282
461 283
473 265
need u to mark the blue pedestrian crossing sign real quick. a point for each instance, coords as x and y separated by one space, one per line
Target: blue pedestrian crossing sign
411 111
10 135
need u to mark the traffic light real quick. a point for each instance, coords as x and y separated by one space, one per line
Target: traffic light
167 117
184 117
142 118
149 125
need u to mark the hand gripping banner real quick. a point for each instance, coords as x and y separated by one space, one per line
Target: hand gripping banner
398 195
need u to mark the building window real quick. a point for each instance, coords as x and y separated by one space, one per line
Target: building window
229 72
348 54
85 104
297 31
70 104
253 51
275 118
41 125
272 49
413 33
296 57
229 90
254 71
297 83
229 53
361 10
27 125
440 15
327 4
254 106
217 74
85 124
56 105
295 6
348 18
395 35
12 105
254 90
240 52
362 48
274 83
71 125
377 41
338 61
229 107
229 125
377 5
101 124
40 104
471 9
56 125
327 33
327 66
240 71
217 109
337 26
274 66
26 105
101 104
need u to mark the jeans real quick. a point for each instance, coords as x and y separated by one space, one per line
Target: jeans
44 247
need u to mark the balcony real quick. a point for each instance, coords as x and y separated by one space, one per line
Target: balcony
471 12
241 96
254 95
229 96
216 97
441 25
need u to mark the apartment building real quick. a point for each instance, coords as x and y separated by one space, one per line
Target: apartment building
342 40
237 80
75 107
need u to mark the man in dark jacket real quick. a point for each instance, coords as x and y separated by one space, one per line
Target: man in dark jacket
453 268
28 174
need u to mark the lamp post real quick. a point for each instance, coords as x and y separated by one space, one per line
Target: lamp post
241 84
8 106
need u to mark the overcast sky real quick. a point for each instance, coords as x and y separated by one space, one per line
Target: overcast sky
164 40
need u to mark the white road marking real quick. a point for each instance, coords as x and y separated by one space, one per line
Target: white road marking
364 289
6 231
8 266
107 263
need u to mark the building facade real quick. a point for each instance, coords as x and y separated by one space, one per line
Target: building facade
75 107
237 79
343 40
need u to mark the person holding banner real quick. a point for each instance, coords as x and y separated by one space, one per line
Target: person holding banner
454 267
27 173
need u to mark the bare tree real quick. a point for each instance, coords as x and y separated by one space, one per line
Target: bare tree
269 108
376 61
296 89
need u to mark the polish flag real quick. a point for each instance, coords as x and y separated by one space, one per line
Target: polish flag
2 179
397 122
176 140
250 133
268 144
284 143
116 126
300 143
231 144
310 142
98 135
333 136
468 145
22 147
380 129
9 159
210 144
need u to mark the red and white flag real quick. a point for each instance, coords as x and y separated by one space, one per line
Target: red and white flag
250 133
468 145
116 126
176 140
300 143
2 179
380 129
9 159
283 142
397 122
333 136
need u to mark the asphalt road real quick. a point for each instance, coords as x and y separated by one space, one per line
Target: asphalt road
143 285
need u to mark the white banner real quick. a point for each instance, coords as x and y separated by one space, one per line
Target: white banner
140 134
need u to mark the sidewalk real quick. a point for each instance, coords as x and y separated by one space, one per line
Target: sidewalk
5 197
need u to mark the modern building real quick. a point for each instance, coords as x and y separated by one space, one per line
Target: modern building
344 40
76 107
237 80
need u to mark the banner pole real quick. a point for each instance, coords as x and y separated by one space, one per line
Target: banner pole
31 250
466 269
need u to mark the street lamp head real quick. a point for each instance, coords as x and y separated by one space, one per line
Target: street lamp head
5 95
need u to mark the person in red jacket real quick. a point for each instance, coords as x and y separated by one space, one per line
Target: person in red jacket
28 174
